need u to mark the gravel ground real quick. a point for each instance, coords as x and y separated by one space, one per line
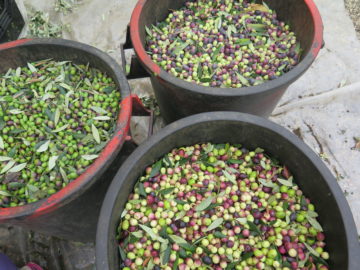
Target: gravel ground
353 6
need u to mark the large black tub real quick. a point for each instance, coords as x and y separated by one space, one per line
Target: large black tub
311 175
178 98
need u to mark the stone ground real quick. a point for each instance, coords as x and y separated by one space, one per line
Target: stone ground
353 6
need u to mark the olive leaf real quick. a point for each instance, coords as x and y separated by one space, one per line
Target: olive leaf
142 190
287 219
178 49
232 265
254 228
18 72
89 157
204 204
32 188
165 251
102 118
148 31
230 257
284 182
157 29
251 47
242 220
205 80
263 164
242 41
212 206
42 146
60 128
303 201
229 177
271 199
4 193
150 265
216 223
219 234
52 162
95 133
31 67
57 116
47 96
67 87
167 161
285 205
188 247
63 175
17 168
235 161
231 170
208 148
15 111
17 131
48 87
15 185
4 158
257 27
218 22
1 143
26 142
138 234
312 251
282 67
298 48
263 7
312 214
314 223
228 33
267 183
151 233
8 166
155 169
166 191
12 152
122 253
99 110
242 79
180 215
177 239
303 262
319 260
67 97
123 214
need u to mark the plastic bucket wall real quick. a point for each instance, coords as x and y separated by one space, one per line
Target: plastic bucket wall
178 98
11 21
73 211
309 172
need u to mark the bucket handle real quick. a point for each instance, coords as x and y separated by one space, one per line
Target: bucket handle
136 69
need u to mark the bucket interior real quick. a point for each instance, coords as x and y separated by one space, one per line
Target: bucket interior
20 56
305 170
293 12
68 213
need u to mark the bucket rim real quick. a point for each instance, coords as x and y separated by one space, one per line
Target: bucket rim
88 177
107 210
287 78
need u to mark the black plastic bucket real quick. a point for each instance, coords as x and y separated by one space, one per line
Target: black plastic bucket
178 98
11 21
72 212
312 176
